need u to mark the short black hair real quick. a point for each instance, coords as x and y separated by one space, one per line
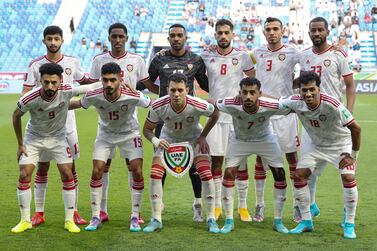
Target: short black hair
51 69
307 76
273 19
319 19
110 68
52 30
118 26
222 22
250 81
177 78
177 26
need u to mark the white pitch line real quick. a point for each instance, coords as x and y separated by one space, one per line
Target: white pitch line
367 121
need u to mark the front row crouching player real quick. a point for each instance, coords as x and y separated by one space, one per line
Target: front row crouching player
252 135
180 113
45 136
325 119
118 126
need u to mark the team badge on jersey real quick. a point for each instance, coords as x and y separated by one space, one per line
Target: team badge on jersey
178 158
124 108
281 57
130 67
190 119
322 117
327 62
261 119
234 61
190 66
68 71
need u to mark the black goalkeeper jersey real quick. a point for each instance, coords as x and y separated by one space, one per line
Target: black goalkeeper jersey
189 64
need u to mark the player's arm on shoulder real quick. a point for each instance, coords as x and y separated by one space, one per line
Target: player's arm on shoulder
74 104
201 76
149 84
85 88
25 89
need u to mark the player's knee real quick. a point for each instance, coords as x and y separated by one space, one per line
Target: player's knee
278 173
216 163
25 175
43 167
230 173
302 174
348 178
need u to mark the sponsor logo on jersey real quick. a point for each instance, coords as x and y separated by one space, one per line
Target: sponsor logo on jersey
166 66
190 119
190 66
234 61
68 71
281 57
61 104
322 117
178 159
130 67
327 62
261 119
124 108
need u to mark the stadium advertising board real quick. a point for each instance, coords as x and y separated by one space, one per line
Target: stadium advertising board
366 86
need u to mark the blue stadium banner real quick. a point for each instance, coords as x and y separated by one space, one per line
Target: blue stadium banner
11 86
366 86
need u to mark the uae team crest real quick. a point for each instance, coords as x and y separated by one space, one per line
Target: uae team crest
178 159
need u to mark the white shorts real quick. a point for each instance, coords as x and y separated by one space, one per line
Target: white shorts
286 129
51 148
316 159
131 147
218 138
159 151
268 150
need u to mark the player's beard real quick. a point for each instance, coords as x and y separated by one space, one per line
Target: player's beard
223 45
50 93
53 50
109 91
317 42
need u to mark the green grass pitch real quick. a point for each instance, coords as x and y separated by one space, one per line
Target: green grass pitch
180 232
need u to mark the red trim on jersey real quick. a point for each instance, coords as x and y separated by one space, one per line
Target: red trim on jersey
330 99
28 85
111 101
129 92
134 54
196 103
281 47
80 80
65 87
319 53
349 74
52 61
232 101
226 54
93 79
161 102
144 79
353 120
268 104
103 53
296 97
36 60
122 56
343 52
94 92
31 96
183 108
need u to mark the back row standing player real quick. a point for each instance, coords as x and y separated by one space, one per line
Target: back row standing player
133 69
53 40
275 64
177 59
226 67
331 65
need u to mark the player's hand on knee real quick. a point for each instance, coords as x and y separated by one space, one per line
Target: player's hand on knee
21 151
203 145
347 160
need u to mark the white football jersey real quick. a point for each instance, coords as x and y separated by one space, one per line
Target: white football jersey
180 125
251 126
72 72
330 65
47 118
132 65
326 125
118 116
225 73
275 69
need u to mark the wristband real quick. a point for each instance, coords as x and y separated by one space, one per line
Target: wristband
155 141
354 154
